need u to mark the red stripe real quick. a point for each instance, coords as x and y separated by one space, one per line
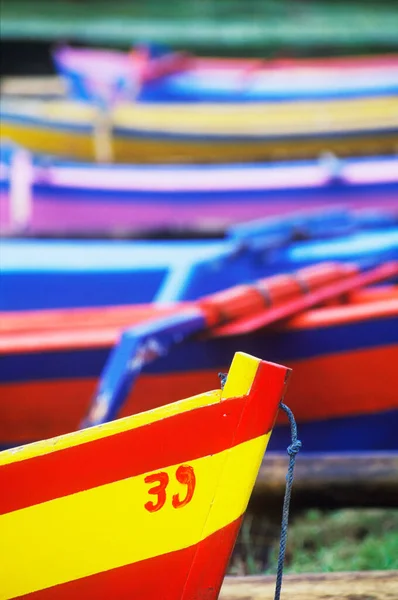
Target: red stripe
346 384
339 315
70 318
194 572
43 409
36 410
100 327
186 436
290 308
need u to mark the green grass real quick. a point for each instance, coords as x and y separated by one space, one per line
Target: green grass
342 540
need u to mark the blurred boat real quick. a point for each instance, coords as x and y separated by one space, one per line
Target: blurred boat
38 274
135 508
148 76
45 86
202 132
42 196
155 74
330 323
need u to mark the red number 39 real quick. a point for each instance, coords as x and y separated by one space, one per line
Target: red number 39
184 475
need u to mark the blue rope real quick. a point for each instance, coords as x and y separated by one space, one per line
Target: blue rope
292 451
223 379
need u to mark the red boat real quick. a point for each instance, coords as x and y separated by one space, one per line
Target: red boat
343 349
145 507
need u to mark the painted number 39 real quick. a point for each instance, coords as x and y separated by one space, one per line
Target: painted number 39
184 475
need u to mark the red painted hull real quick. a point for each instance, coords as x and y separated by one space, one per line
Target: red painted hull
358 379
83 518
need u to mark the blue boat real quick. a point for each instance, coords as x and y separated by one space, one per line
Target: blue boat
44 196
38 274
342 349
155 74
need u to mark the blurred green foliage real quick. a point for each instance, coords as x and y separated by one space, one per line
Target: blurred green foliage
340 540
244 26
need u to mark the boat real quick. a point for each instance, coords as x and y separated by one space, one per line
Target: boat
42 196
334 324
64 273
135 508
202 132
152 73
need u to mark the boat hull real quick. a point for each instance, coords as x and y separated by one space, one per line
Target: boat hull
133 509
90 199
178 133
175 77
42 274
354 349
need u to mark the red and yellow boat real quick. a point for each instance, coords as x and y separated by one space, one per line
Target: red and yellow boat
145 507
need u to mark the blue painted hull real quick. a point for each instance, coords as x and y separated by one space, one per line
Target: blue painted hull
375 432
56 274
87 199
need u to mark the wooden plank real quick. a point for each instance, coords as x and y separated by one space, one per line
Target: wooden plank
365 585
331 480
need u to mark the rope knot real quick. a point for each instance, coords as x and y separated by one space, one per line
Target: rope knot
294 448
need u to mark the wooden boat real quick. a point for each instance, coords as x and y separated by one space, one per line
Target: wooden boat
204 132
343 355
46 197
134 509
38 274
152 74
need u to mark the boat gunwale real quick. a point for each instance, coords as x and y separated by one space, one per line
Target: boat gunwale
91 336
241 379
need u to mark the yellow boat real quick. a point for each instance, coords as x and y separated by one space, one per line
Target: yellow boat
176 133
147 507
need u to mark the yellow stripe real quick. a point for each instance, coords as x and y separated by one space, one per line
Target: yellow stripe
153 151
260 119
169 151
50 141
95 433
241 375
255 118
107 527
